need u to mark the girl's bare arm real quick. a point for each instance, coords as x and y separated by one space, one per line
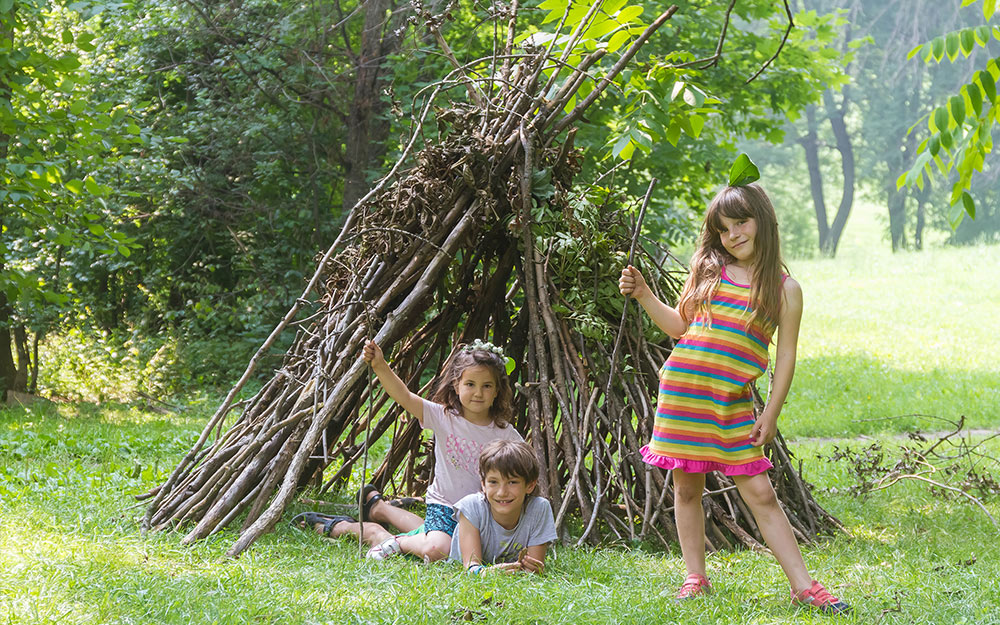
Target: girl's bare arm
665 317
766 427
396 388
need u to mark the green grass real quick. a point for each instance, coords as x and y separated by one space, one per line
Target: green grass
71 552
886 335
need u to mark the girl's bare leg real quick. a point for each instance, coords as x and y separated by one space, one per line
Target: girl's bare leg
402 519
429 547
758 493
690 519
374 533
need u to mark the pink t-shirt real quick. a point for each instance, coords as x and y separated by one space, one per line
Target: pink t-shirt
457 445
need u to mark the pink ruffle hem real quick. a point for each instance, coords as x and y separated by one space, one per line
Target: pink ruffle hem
699 466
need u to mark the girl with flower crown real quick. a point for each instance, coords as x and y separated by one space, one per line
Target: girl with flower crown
471 406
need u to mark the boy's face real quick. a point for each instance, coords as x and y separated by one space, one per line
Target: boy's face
505 493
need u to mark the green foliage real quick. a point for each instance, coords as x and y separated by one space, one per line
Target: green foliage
679 113
961 128
86 364
59 135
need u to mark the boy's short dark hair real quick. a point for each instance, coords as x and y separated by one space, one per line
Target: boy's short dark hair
511 459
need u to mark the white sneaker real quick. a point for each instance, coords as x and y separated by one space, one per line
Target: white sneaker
385 550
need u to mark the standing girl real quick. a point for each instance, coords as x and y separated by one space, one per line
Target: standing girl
471 406
737 294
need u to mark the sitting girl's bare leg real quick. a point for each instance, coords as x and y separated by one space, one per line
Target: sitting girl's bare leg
758 493
399 518
374 533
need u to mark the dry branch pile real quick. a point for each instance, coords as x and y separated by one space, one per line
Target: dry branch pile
442 253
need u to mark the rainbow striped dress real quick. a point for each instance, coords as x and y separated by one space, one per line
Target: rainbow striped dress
704 411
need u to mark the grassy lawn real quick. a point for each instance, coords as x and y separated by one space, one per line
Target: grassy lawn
883 336
887 335
71 552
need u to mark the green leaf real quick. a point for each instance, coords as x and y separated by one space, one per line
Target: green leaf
988 84
951 45
6 5
697 123
982 35
934 145
946 139
92 187
937 48
628 14
969 203
957 105
96 229
508 365
67 36
975 99
941 118
673 133
743 171
968 38
74 185
124 251
912 53
618 40
989 8
623 145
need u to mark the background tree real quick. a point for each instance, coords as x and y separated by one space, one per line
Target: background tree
961 129
57 136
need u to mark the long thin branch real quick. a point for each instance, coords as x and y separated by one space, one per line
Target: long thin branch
788 12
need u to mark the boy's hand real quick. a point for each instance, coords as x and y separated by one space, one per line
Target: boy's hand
632 283
372 353
531 565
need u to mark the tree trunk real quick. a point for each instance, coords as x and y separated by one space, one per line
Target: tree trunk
367 126
846 149
897 217
33 385
810 143
7 371
23 359
921 196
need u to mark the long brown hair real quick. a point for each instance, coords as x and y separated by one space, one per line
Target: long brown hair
740 202
461 359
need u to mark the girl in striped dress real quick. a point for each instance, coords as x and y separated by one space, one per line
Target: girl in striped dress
737 295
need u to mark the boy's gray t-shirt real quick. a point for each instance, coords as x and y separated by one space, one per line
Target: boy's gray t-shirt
536 527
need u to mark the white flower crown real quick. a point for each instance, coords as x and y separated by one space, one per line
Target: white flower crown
486 347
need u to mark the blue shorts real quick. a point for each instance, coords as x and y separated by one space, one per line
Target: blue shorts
440 518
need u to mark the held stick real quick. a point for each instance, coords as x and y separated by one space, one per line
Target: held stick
611 368
364 462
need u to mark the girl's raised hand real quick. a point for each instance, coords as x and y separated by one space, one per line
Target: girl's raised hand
632 283
372 353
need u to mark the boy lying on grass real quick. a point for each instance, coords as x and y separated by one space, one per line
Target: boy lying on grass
503 527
